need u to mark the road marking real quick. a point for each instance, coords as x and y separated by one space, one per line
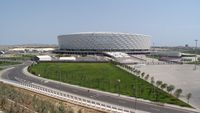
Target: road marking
155 109
121 101
45 81
74 90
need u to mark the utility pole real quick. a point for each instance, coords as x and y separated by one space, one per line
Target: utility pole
195 66
135 94
119 86
153 51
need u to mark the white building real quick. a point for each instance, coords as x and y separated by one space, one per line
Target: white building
167 53
67 59
44 58
95 42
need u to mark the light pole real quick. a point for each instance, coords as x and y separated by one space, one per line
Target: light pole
195 66
135 93
153 51
119 86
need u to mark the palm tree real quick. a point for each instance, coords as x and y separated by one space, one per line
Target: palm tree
146 77
188 96
163 86
170 88
177 93
158 83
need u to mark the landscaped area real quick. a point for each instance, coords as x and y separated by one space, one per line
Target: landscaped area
6 63
16 100
198 62
18 57
103 76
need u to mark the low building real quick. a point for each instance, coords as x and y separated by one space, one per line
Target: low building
188 59
67 59
166 53
43 58
2 52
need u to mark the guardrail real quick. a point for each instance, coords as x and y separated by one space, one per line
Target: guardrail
73 98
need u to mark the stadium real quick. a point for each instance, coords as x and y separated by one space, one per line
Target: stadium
99 42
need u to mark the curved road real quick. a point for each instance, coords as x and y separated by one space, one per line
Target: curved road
16 74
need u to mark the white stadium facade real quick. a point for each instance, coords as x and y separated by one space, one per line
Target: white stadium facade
100 42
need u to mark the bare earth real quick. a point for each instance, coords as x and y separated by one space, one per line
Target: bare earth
182 76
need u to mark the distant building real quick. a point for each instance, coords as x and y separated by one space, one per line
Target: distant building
2 52
43 58
166 53
188 59
174 56
24 49
67 59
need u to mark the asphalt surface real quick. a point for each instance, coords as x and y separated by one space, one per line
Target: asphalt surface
182 76
16 74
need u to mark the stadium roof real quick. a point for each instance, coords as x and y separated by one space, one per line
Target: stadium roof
106 33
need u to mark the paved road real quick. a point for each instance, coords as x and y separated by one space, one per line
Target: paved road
17 75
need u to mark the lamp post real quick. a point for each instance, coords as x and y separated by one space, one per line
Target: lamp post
153 51
135 94
119 86
195 66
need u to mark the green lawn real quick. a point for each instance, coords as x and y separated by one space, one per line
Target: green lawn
153 56
20 57
198 62
6 63
103 76
193 51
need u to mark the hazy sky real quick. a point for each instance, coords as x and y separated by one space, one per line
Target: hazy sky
169 22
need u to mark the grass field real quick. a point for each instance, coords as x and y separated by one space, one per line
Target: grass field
19 57
6 63
198 62
105 77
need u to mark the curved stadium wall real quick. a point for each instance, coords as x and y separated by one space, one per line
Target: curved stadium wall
103 42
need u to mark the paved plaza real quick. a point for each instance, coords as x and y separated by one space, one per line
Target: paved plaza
182 76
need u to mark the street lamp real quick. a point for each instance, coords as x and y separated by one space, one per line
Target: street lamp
153 51
119 86
135 94
195 66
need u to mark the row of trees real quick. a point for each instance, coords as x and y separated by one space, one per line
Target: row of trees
159 84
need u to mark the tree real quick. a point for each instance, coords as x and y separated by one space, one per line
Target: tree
158 83
132 69
170 88
152 80
163 86
61 108
138 72
142 74
177 93
3 103
146 77
188 96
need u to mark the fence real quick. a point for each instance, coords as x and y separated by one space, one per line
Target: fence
73 98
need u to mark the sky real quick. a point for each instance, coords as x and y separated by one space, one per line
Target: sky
168 22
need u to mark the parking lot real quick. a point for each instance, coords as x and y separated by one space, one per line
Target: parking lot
182 76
